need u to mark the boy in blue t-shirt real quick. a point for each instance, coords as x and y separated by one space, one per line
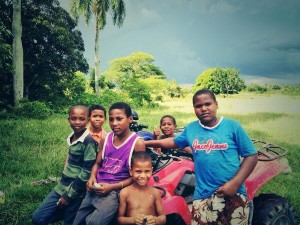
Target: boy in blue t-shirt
217 144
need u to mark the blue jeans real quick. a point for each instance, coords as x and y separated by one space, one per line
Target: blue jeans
97 210
48 212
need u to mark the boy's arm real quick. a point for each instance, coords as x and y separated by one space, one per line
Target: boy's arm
188 150
105 188
231 186
160 219
93 176
122 219
167 143
78 186
140 145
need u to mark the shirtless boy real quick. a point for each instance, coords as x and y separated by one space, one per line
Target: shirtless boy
139 203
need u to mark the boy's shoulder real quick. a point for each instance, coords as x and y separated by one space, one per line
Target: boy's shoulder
87 139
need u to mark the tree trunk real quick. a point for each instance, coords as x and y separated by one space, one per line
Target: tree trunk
97 57
18 80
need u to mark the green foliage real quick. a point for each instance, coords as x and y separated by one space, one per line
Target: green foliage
99 8
220 81
6 77
174 90
204 80
257 88
139 64
293 89
131 75
27 109
106 98
157 87
137 91
53 51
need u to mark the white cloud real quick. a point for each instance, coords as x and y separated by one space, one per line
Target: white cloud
213 6
150 15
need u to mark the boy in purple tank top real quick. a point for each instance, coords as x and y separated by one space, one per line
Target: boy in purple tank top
110 173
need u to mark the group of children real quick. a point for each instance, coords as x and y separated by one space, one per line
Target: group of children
105 175
98 169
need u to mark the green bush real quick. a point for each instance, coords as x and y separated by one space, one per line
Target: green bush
257 88
106 98
27 109
34 110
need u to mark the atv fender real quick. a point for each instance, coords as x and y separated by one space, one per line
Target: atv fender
177 205
145 135
263 173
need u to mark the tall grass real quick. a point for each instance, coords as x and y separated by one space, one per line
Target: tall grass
32 150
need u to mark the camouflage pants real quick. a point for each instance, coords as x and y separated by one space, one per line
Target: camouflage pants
220 211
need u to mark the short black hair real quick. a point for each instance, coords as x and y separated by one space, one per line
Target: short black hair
78 106
204 91
97 107
121 105
169 116
140 157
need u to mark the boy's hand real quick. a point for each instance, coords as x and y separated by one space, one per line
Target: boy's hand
62 202
139 219
156 132
150 220
228 189
103 188
90 183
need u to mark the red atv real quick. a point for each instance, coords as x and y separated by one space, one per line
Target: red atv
174 176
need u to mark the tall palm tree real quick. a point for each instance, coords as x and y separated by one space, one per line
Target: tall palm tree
99 9
18 80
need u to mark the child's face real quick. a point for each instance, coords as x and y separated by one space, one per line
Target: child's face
97 118
78 119
141 172
206 109
167 127
118 121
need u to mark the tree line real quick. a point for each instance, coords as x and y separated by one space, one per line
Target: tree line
42 47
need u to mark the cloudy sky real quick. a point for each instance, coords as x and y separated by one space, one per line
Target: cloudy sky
261 38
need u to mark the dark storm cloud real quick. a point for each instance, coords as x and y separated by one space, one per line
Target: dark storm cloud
261 38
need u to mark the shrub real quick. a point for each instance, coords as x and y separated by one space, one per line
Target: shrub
256 88
34 110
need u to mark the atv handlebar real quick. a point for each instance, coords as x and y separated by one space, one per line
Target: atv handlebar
135 126
176 153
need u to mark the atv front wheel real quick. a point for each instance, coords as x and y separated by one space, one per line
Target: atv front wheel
271 209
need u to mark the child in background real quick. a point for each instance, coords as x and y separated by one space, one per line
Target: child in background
110 173
218 144
97 117
64 200
140 202
167 127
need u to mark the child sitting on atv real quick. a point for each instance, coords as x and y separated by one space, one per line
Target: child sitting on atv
167 127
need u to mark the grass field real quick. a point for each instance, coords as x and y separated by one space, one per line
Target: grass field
32 150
